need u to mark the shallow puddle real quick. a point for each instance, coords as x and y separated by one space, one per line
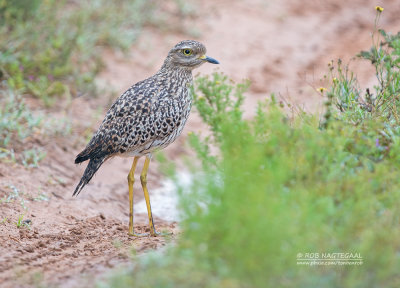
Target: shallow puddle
164 200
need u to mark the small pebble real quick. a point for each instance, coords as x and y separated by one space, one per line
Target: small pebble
27 222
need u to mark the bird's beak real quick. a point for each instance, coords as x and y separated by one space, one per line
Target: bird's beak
209 59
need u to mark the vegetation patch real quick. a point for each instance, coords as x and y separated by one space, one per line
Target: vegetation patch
51 50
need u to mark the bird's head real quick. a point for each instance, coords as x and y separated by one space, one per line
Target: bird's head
188 54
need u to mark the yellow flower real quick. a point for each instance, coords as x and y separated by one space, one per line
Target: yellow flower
321 89
379 9
334 80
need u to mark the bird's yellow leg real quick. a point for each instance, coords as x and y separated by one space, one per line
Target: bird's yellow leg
131 180
143 180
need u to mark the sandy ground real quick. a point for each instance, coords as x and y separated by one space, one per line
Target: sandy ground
283 47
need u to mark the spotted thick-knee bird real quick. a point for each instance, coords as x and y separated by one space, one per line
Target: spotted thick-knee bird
148 117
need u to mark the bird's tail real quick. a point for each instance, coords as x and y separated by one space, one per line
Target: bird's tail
91 169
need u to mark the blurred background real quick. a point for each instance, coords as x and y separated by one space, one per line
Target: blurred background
62 64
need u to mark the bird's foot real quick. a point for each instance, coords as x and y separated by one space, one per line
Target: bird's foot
139 234
156 233
152 233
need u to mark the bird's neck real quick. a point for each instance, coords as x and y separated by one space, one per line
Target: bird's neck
181 74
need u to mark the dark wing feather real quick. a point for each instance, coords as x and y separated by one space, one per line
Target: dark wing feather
115 127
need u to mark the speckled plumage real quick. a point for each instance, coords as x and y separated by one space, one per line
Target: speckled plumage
150 115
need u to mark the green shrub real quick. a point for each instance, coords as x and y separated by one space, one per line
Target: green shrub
376 112
17 10
287 188
17 122
55 51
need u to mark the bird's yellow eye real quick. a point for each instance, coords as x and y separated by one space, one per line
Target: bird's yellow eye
187 52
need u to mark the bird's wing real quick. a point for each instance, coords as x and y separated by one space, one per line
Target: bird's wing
118 123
